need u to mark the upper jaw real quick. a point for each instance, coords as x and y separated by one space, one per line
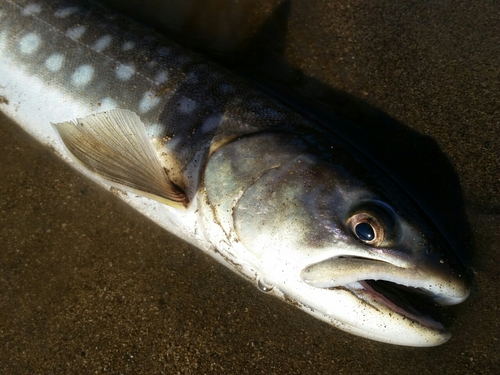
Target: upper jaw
438 280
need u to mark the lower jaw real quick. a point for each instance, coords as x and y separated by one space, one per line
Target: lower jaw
398 299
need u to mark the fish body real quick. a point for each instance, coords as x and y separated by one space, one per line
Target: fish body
277 198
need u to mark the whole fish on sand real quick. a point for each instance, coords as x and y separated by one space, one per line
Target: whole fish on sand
280 200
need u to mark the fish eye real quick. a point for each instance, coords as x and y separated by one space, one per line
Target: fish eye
364 231
367 228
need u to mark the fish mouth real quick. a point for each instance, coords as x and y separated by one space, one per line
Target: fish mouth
409 292
386 295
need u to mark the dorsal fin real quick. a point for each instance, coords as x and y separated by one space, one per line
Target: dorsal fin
114 145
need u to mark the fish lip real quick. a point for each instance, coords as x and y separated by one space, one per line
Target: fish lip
373 291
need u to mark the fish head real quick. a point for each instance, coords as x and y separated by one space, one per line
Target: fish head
337 237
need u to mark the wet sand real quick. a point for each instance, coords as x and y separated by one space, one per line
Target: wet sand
90 286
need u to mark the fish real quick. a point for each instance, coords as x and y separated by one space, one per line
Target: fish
280 199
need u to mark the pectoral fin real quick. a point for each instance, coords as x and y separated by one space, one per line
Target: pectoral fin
114 145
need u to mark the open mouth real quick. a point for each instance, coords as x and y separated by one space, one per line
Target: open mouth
399 299
410 292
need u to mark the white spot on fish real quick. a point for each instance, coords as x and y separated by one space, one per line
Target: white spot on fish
148 102
3 39
161 77
172 144
154 129
107 104
82 75
211 123
75 32
163 51
127 46
29 43
186 105
65 12
54 62
102 43
125 71
31 9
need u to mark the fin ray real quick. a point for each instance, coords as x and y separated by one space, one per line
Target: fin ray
115 146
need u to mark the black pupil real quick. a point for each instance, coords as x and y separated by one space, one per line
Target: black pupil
365 232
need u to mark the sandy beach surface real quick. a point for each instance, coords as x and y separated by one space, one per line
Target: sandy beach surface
88 285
